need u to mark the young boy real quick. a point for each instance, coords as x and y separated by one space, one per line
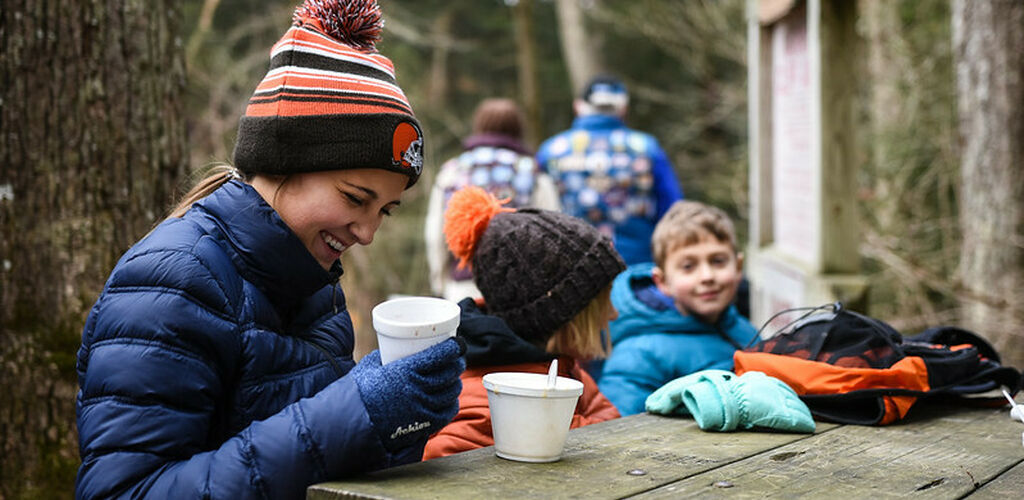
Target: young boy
676 315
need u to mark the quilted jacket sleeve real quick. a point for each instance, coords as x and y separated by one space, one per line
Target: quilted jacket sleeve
158 351
632 373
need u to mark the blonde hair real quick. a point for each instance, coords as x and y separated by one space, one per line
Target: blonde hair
215 177
686 223
581 337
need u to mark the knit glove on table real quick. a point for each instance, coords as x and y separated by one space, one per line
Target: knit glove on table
411 398
721 401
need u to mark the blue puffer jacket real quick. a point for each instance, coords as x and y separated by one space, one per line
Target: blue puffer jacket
211 365
653 344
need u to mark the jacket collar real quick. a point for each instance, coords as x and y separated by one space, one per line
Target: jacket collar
491 342
495 141
597 122
263 248
633 295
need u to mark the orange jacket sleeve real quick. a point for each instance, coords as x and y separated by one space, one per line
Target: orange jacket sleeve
592 407
471 427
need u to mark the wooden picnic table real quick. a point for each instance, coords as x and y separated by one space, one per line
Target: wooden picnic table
937 452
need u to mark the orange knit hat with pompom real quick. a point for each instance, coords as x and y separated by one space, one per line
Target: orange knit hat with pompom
536 269
469 212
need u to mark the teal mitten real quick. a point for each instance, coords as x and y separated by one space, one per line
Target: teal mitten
721 401
668 399
768 403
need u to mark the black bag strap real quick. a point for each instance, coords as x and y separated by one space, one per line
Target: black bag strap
988 375
951 335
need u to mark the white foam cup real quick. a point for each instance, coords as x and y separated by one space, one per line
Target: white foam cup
408 325
530 421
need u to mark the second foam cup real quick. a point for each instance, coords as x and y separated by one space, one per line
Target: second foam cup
530 420
408 325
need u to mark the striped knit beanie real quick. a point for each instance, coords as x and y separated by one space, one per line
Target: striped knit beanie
536 269
330 100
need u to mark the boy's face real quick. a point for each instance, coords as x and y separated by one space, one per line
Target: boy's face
701 278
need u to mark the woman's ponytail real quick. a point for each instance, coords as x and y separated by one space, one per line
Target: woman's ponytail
215 178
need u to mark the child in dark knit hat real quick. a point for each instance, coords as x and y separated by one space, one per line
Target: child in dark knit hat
217 361
494 158
545 278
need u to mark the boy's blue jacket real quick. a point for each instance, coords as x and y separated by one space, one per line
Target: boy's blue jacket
653 344
204 368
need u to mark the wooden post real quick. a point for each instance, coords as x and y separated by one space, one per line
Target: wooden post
804 234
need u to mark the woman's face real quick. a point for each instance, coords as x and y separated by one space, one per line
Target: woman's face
332 210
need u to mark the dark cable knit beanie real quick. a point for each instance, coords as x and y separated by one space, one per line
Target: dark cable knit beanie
330 100
536 269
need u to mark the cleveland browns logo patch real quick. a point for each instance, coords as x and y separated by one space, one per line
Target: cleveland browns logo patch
407 147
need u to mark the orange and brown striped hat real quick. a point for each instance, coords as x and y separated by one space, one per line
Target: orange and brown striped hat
330 100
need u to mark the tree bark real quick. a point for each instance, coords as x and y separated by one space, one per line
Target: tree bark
885 53
580 50
439 84
92 147
526 59
988 42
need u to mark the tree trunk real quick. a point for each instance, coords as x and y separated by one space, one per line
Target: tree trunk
437 89
988 41
885 52
527 61
580 50
92 147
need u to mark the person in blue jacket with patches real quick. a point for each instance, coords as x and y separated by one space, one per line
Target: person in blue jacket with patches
676 315
616 178
217 361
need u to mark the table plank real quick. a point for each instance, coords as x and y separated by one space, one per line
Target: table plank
941 453
1007 486
596 464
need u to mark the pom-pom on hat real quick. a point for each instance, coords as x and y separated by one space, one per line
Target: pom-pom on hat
330 100
536 269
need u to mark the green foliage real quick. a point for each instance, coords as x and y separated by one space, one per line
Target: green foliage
909 180
685 63
682 60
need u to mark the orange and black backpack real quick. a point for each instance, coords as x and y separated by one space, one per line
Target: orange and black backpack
853 369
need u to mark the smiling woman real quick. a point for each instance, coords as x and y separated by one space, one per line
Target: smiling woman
334 209
217 361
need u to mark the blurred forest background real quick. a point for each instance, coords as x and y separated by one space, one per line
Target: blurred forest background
109 110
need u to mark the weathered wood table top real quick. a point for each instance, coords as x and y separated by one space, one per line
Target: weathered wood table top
937 452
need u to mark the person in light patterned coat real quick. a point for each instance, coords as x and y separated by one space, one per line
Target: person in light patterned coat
495 159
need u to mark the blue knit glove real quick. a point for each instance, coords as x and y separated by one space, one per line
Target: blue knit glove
721 401
413 397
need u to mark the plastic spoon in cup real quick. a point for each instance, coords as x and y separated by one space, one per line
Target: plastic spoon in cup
1014 407
553 374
